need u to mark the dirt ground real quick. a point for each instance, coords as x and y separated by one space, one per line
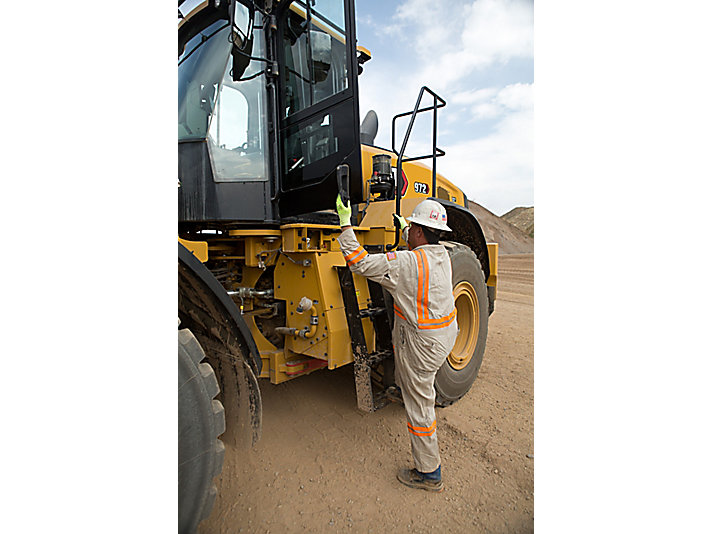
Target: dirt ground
323 466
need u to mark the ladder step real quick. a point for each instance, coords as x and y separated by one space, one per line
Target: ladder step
363 360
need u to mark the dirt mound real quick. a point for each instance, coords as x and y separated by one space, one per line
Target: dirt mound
511 239
522 218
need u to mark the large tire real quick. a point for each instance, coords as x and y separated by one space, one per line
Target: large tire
460 369
201 419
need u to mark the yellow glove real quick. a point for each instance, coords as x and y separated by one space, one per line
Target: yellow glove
399 222
343 211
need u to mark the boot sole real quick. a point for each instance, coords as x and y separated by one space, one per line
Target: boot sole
420 485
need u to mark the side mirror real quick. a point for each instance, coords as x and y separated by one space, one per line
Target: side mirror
243 18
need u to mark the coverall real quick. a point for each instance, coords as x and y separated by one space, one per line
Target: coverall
424 332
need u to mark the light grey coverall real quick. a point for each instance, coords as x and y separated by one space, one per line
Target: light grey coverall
424 332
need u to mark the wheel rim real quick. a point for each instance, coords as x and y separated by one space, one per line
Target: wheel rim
468 320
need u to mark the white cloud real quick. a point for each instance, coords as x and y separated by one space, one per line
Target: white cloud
473 96
517 96
488 110
489 103
497 170
449 41
364 20
497 30
456 38
454 41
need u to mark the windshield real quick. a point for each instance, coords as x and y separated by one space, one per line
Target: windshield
231 115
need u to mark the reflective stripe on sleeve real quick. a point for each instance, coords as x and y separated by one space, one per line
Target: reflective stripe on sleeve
356 256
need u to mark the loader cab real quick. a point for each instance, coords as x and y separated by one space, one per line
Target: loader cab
267 109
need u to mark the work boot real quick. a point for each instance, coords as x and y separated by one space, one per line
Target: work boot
415 479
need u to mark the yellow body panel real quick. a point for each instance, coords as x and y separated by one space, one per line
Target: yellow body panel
319 282
415 172
380 214
198 248
493 251
365 52
305 258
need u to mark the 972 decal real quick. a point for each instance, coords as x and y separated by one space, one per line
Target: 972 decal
421 187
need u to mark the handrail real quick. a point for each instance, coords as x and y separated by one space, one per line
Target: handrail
437 103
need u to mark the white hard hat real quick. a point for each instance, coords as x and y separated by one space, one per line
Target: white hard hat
431 214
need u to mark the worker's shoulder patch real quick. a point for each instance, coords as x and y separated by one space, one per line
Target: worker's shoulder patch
390 256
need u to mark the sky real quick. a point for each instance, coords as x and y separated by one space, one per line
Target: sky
479 57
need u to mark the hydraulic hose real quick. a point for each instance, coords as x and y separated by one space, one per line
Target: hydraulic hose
306 332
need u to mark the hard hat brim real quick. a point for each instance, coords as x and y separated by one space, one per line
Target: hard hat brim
429 224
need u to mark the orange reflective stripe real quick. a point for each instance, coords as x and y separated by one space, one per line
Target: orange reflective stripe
421 299
398 312
426 315
357 258
435 326
447 317
418 288
347 257
422 431
422 428
442 322
359 254
425 322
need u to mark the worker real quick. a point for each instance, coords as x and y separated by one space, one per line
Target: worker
425 327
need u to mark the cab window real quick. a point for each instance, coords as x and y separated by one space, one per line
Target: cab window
314 42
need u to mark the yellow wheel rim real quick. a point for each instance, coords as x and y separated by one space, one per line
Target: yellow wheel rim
468 320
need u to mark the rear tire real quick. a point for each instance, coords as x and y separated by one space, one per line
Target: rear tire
460 369
201 419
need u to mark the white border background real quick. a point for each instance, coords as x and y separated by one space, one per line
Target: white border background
89 185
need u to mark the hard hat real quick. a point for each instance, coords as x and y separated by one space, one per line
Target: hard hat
431 214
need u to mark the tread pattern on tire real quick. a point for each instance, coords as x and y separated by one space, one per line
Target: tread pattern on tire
202 383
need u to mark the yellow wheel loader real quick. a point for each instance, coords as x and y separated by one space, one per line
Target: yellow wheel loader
268 135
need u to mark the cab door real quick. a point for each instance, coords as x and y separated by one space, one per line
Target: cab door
318 104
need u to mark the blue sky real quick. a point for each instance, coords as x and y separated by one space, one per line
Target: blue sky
478 56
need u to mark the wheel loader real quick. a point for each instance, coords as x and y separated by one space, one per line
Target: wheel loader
268 135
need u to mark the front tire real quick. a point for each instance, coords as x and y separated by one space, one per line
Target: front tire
454 379
201 419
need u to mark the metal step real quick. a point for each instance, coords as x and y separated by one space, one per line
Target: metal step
364 361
